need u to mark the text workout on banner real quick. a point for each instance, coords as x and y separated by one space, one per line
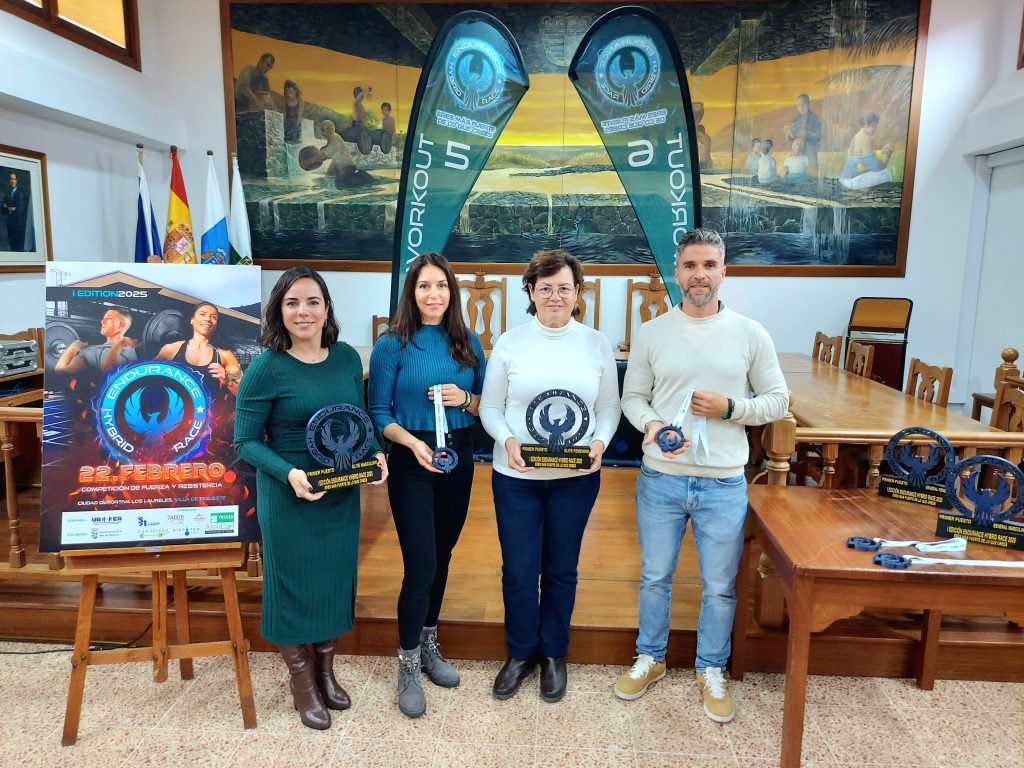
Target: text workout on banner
142 365
472 80
629 74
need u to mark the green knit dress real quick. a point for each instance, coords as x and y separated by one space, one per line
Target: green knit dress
310 548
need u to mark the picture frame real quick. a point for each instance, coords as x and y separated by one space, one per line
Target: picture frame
25 240
1020 50
836 223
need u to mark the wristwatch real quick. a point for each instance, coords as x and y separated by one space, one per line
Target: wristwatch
469 400
728 414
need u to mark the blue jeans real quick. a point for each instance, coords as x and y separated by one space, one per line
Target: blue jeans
540 527
718 509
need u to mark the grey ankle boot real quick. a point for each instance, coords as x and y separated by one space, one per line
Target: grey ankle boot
411 701
438 670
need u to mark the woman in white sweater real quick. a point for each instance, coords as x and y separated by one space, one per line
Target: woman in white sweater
542 512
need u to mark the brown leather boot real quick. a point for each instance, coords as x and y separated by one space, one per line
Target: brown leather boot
307 699
334 695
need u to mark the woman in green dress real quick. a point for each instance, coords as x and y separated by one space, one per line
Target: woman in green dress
310 540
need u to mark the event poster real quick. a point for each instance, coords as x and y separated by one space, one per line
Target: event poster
142 365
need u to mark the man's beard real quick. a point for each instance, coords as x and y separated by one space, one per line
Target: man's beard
700 301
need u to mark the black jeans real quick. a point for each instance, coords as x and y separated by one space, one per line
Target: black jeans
429 510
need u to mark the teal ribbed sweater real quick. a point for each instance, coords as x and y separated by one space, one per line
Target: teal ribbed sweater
400 378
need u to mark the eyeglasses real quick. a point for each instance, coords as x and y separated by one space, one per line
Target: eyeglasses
564 291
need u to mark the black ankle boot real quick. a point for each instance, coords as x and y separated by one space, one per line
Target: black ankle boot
512 675
552 678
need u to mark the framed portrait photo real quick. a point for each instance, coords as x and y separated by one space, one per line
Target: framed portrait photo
25 244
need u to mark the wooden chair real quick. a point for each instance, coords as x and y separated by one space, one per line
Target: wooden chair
827 349
1008 410
378 326
860 358
479 306
593 287
653 302
929 382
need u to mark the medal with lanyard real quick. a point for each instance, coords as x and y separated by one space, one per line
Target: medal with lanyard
443 458
670 437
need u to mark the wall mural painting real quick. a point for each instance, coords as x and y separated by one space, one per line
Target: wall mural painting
804 128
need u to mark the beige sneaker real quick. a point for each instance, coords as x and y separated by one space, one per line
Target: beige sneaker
717 701
633 684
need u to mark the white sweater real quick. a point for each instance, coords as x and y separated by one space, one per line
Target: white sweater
532 358
726 353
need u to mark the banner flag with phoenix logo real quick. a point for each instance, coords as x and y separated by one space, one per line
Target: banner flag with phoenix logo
139 386
472 80
629 74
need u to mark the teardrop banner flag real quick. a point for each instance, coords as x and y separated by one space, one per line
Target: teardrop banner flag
472 80
629 74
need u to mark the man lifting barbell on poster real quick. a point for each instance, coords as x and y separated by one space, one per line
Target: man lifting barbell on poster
118 349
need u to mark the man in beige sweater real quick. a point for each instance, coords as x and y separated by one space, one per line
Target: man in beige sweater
710 372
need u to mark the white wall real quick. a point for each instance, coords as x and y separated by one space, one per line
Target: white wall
1001 290
92 177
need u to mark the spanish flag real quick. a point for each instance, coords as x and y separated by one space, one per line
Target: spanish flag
179 242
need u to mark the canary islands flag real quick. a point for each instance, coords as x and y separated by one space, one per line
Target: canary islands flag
179 242
147 241
214 245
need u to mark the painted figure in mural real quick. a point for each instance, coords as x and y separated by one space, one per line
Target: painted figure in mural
252 88
767 170
704 149
807 126
201 353
343 166
754 157
703 140
14 209
866 167
387 122
294 106
118 349
359 95
796 163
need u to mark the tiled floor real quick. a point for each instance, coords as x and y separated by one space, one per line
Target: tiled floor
129 721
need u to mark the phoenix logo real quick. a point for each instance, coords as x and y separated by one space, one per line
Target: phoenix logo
627 70
475 74
153 412
153 424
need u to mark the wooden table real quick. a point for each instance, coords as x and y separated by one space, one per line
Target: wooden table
804 531
832 398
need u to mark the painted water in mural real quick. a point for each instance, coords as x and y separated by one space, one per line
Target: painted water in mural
803 113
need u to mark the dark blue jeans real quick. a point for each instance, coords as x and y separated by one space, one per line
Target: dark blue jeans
540 527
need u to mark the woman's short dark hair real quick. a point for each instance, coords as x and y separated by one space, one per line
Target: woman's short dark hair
547 263
292 84
407 316
275 335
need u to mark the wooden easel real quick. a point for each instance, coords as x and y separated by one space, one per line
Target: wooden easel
159 561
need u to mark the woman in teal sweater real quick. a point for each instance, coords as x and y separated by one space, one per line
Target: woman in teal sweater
310 540
427 346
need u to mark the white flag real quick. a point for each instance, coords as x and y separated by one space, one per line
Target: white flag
241 240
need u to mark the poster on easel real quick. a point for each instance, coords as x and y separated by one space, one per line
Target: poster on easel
142 363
